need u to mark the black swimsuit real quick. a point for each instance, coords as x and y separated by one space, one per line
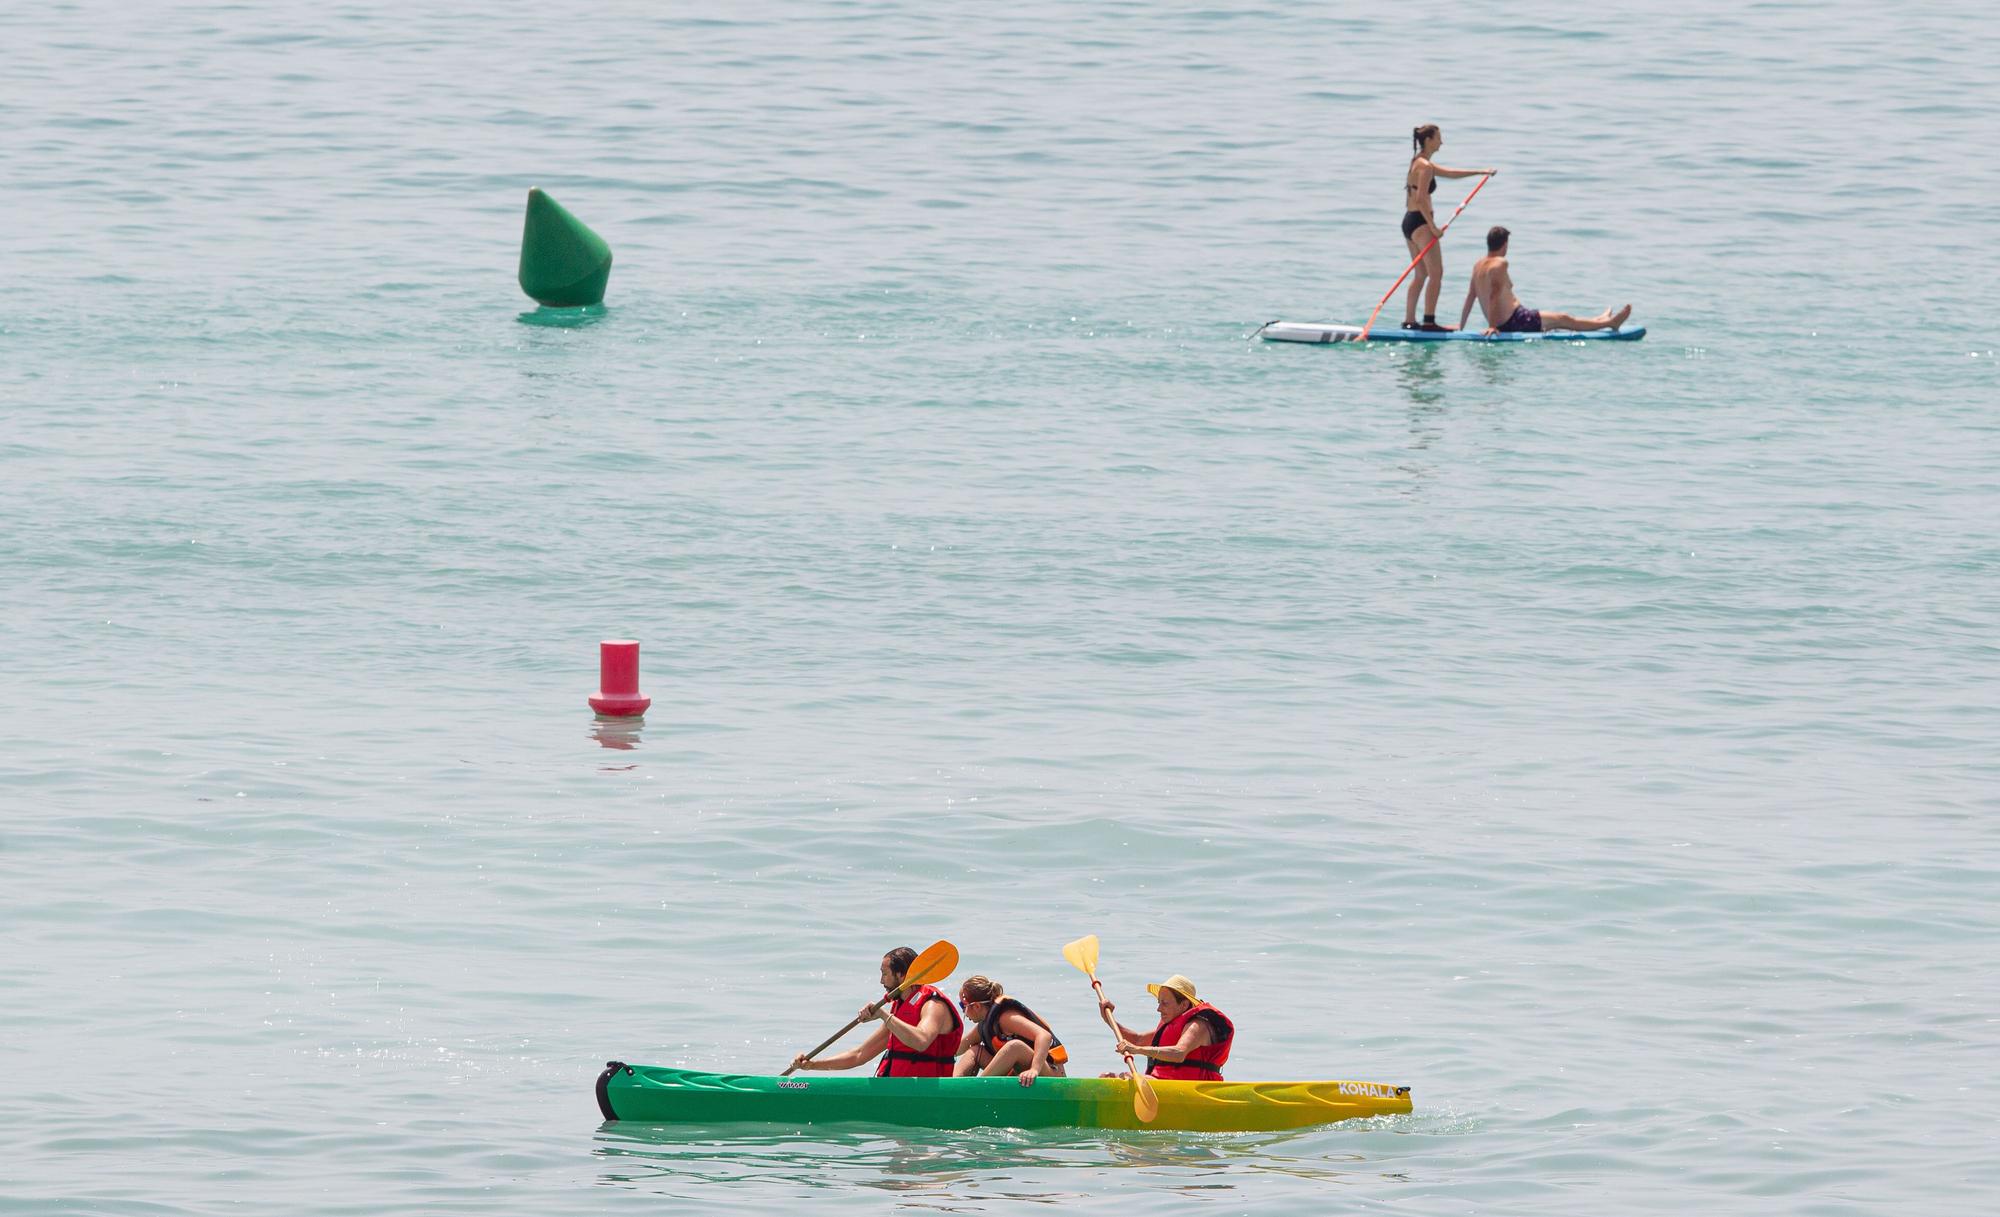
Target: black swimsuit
1413 220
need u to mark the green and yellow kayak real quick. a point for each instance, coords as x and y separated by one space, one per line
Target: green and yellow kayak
660 1095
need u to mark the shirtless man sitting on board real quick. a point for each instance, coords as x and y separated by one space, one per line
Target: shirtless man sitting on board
1505 314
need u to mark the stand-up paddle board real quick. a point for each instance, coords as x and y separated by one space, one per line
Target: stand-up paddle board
1307 331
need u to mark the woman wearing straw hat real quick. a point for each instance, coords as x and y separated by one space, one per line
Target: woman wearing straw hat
1192 1041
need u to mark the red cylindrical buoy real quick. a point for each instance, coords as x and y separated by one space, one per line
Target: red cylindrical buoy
618 680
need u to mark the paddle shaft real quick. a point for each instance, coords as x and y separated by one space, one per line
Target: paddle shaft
1118 1037
829 1041
1420 257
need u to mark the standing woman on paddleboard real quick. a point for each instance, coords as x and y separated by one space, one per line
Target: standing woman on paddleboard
1420 226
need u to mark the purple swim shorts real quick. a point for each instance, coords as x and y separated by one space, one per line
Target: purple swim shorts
1524 321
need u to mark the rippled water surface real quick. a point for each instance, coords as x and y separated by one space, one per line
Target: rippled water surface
1600 740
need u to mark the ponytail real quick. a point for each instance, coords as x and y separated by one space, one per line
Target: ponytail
1418 135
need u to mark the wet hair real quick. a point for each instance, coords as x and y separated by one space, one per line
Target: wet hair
900 959
1496 239
1420 134
981 988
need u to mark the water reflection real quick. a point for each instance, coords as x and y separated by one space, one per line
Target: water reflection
563 318
956 1171
1494 362
619 733
1421 374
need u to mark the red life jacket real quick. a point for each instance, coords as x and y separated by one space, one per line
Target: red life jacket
1204 1064
903 1061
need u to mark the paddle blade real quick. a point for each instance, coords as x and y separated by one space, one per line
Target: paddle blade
1145 1103
1082 954
938 961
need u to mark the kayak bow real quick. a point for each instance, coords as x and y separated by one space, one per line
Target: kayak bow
662 1095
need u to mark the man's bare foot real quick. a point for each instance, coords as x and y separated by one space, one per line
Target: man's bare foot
1618 318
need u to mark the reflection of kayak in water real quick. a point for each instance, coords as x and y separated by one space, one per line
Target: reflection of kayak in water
656 1094
1308 331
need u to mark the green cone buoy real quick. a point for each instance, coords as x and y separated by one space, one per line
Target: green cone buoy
563 263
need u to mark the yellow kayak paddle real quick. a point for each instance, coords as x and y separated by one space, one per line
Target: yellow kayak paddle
1083 954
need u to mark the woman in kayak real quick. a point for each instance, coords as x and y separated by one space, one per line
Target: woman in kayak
920 1031
1007 1037
1420 224
1192 1040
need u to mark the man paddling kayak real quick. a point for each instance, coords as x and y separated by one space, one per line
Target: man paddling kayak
920 1031
1493 287
1007 1037
1192 1041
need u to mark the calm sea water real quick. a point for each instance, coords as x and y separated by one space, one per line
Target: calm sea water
1599 740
